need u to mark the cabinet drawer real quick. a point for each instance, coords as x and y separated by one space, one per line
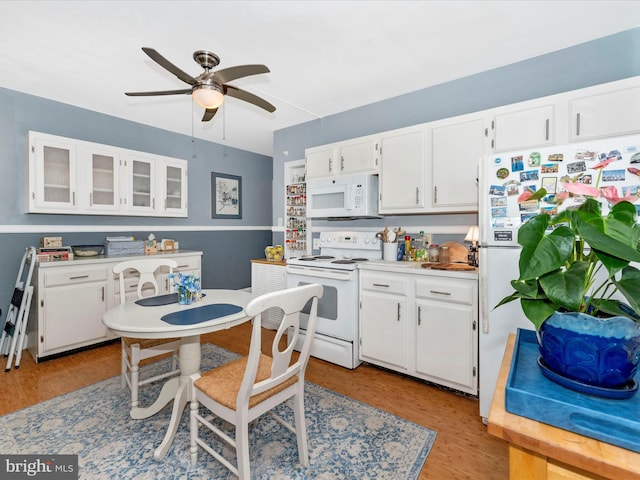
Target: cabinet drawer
68 276
187 263
384 283
444 289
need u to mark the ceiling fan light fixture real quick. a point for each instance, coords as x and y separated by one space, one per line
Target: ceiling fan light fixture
208 96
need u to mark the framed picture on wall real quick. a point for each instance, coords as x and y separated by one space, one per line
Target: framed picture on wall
226 196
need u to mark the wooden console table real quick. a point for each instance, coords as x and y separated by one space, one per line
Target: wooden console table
542 452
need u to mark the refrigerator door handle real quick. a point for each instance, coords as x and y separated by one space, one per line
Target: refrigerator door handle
484 307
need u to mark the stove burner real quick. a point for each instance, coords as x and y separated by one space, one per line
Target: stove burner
360 259
343 262
324 257
307 259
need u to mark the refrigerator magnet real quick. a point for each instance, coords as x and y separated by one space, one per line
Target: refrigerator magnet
635 158
496 190
534 159
613 175
517 163
586 155
549 168
502 173
550 184
529 176
576 167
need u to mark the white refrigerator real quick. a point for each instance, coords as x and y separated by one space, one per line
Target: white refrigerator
503 177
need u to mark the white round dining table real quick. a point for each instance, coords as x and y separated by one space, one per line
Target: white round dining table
146 321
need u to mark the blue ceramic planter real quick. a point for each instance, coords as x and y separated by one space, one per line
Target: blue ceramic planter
602 352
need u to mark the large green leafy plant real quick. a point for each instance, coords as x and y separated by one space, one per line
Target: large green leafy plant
577 260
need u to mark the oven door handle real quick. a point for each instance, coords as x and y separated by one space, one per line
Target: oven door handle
345 275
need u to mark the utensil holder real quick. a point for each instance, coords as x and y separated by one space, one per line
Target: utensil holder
390 251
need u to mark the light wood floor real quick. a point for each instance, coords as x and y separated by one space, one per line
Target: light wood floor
463 449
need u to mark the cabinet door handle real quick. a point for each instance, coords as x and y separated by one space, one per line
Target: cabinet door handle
546 129
437 292
435 194
417 195
398 311
330 165
74 198
341 163
419 315
577 124
78 277
91 199
103 294
380 285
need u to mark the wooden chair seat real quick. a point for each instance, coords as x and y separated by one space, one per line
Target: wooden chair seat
223 384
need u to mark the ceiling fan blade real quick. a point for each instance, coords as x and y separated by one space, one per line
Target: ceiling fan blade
167 65
163 92
227 75
208 114
248 97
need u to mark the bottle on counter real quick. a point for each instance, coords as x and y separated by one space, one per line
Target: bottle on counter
445 255
407 247
434 253
421 248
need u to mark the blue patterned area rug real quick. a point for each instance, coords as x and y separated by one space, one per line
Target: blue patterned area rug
347 439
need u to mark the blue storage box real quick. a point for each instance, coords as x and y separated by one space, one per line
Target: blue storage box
530 394
124 248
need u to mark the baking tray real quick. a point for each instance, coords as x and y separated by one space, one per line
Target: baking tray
530 394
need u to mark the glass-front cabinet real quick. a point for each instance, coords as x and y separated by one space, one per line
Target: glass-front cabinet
174 188
52 187
104 180
76 177
140 184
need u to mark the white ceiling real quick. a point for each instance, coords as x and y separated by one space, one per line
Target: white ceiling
325 56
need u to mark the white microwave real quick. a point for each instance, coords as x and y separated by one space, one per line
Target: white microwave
343 197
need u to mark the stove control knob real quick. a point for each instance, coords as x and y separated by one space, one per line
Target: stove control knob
367 240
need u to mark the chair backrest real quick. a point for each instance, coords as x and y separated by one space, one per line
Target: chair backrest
291 301
146 268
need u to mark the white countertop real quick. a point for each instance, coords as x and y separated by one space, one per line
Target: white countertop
77 260
414 268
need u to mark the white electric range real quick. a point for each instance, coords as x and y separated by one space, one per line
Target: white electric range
335 268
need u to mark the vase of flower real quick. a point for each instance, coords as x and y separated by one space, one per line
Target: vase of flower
187 287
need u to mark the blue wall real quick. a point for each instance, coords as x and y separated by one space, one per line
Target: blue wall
228 245
603 60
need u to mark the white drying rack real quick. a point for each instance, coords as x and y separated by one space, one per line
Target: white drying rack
15 324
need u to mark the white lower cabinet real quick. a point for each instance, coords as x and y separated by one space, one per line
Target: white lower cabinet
266 278
383 316
421 324
71 297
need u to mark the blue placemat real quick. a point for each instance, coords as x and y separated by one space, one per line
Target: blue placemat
160 300
201 314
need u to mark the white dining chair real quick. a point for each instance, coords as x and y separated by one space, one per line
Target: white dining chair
241 391
134 350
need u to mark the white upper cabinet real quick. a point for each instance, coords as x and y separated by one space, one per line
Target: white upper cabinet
533 127
141 184
173 192
103 171
76 177
320 161
53 174
605 114
457 146
360 155
402 171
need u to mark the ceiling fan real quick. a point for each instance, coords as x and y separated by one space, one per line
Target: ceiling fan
209 88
